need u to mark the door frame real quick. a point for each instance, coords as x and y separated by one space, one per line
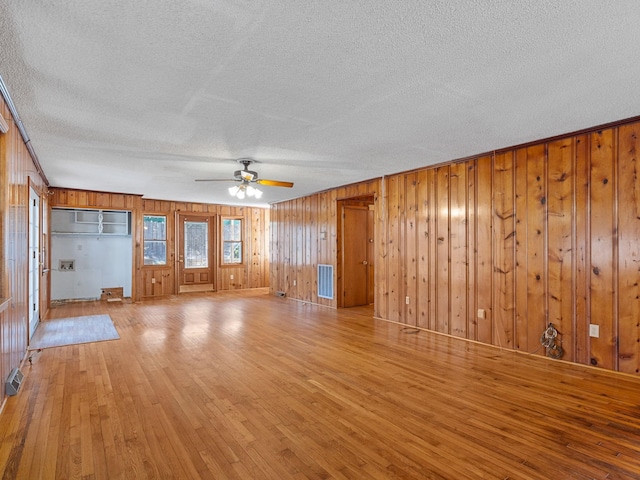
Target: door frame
363 200
213 248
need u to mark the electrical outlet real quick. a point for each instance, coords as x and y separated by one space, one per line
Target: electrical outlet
594 330
482 313
295 283
406 300
231 277
153 280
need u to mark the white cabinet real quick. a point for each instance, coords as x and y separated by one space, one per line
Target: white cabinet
90 222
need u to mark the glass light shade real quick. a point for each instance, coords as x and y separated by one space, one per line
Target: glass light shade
244 190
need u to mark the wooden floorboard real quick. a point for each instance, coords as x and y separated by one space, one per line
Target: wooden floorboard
244 385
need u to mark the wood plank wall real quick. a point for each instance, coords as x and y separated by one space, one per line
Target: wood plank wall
155 281
303 235
253 273
17 172
545 233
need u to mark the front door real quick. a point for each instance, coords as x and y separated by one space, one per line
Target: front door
195 253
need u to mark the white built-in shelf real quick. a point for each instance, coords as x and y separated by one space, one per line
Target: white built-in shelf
68 221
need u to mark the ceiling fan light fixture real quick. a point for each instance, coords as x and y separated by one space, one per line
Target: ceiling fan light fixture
245 179
244 190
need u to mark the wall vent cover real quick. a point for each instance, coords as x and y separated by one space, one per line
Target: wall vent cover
13 382
325 281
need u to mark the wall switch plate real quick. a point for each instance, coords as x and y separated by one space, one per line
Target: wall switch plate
295 283
406 300
153 280
594 330
231 277
482 313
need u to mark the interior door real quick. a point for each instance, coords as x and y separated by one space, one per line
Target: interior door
34 261
195 253
355 256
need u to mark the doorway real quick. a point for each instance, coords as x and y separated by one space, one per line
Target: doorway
356 257
195 258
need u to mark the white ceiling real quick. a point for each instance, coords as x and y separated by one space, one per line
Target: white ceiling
145 96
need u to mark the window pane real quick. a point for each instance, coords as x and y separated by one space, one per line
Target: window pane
155 240
232 252
155 227
196 248
232 229
155 253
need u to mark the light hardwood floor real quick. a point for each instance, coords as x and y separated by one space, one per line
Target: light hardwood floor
243 385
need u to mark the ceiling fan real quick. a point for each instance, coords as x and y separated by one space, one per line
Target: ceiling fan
246 177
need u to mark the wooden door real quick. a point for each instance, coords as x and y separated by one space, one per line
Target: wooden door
370 255
195 255
355 256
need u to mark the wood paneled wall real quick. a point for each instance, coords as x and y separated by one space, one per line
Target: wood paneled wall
154 281
545 233
253 273
17 172
303 235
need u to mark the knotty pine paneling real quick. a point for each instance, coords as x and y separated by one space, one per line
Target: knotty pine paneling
304 234
603 232
17 172
483 258
410 246
458 250
503 250
629 255
443 257
546 233
395 267
582 222
561 251
154 281
422 247
471 227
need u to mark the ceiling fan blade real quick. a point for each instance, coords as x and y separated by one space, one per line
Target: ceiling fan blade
216 180
274 183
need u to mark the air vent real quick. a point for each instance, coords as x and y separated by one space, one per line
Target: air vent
13 382
325 281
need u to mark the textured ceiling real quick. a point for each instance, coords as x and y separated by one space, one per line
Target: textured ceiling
146 96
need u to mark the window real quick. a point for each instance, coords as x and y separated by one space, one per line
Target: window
231 241
196 244
155 240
